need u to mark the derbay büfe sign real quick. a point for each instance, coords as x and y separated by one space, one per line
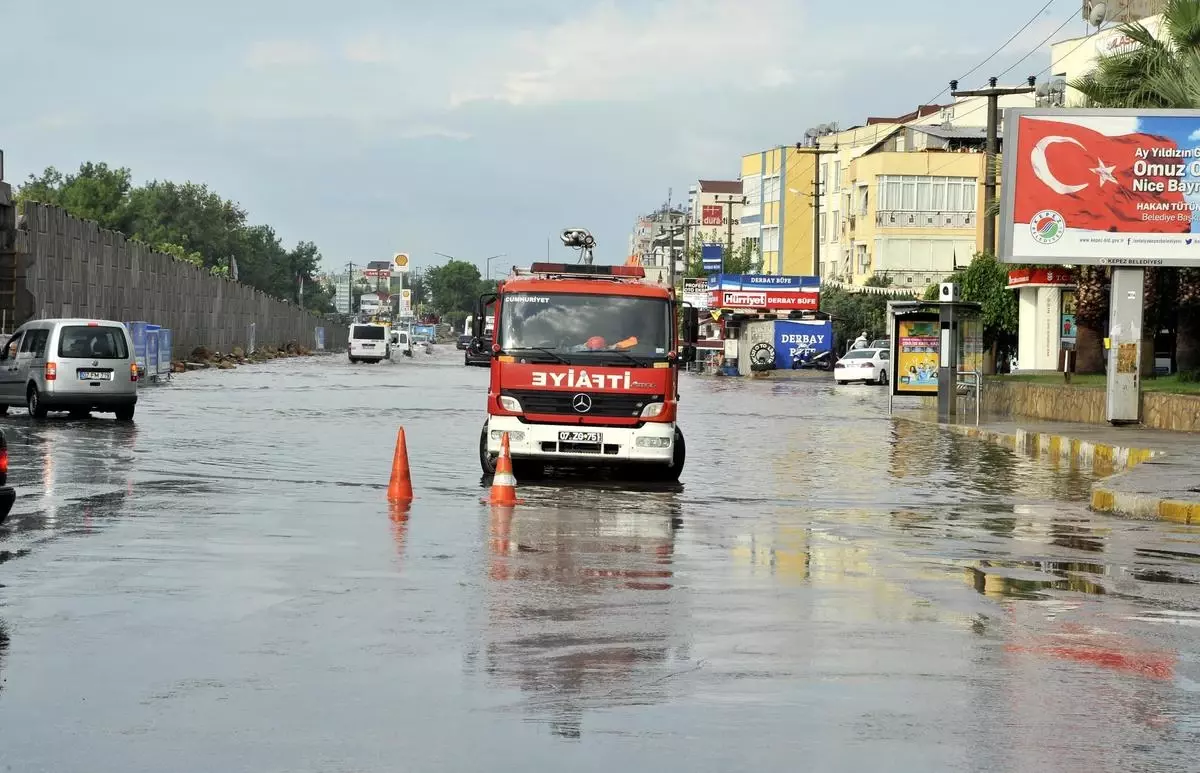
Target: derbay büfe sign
1118 187
764 291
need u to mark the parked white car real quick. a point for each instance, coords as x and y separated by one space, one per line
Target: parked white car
869 366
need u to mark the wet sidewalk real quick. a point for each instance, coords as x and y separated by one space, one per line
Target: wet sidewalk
1149 473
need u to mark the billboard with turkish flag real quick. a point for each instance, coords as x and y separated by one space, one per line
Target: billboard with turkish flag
1116 187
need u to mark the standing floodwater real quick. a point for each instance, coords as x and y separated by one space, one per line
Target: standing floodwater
222 586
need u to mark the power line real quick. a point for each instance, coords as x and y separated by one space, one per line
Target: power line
1014 36
1083 41
1026 26
1045 40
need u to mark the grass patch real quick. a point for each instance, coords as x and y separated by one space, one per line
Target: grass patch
1173 384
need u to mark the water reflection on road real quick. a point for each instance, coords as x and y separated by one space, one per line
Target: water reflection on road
225 584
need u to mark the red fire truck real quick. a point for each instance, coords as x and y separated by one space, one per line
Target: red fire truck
585 370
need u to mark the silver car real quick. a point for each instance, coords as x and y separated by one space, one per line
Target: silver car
75 365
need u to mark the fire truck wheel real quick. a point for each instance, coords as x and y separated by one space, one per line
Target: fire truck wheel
670 474
486 461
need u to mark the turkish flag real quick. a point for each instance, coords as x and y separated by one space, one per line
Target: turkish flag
1087 177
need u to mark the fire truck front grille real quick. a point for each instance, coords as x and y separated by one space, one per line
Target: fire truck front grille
603 404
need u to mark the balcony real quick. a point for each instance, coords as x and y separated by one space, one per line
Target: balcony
891 219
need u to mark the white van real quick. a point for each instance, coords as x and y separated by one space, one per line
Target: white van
370 342
75 365
401 342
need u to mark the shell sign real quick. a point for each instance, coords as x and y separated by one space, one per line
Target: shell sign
400 261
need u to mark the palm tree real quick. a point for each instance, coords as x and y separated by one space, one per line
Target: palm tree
1160 72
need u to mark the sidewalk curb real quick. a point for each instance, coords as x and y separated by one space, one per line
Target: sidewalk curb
1108 499
1116 462
1104 458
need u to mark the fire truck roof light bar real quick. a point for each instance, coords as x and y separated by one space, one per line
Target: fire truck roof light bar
576 269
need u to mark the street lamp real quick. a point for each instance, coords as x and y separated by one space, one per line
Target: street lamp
488 261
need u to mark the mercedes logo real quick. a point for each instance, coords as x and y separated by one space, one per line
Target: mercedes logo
581 403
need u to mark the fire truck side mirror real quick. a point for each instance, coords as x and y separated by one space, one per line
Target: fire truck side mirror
480 319
691 325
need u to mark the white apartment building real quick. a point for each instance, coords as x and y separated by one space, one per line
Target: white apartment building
1073 58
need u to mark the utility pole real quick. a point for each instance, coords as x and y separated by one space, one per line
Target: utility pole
816 153
350 288
728 203
993 94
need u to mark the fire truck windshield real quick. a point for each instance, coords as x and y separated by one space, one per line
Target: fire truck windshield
585 328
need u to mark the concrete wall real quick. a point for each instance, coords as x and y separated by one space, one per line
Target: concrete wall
1079 404
66 267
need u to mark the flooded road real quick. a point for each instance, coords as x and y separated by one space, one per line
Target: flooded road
223 587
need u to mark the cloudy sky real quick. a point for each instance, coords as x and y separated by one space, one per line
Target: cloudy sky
472 127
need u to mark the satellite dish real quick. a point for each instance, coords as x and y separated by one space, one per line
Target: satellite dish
1097 14
1043 89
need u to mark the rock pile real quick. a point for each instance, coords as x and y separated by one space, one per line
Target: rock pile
202 357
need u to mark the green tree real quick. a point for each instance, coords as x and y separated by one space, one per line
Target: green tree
96 192
189 221
985 281
1158 72
856 312
453 286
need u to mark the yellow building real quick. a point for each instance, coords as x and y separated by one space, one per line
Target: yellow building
778 213
913 206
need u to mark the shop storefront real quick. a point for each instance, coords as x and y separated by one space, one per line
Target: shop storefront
1046 301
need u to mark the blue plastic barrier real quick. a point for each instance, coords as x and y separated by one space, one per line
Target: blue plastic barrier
152 351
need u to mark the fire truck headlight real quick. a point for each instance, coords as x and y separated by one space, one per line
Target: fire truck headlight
652 410
649 441
513 437
510 404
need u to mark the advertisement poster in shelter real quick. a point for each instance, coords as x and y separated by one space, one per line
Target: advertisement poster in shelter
1116 187
916 357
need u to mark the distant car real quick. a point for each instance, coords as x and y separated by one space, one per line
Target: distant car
477 355
8 495
866 365
463 341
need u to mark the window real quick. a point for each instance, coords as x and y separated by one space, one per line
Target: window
35 342
835 218
585 329
821 228
10 349
367 333
837 176
752 190
770 238
770 189
918 193
100 343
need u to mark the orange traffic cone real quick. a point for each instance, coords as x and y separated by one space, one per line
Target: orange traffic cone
400 486
504 485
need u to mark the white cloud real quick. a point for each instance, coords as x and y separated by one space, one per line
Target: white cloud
1194 136
283 53
609 53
